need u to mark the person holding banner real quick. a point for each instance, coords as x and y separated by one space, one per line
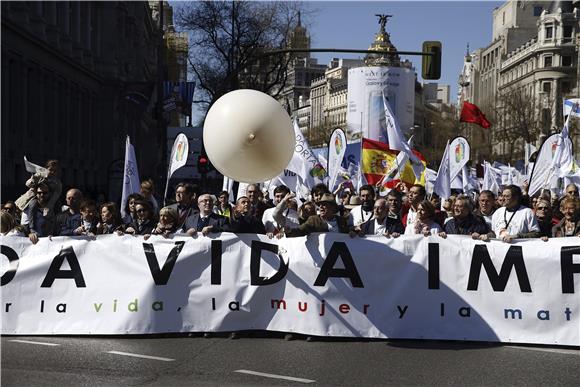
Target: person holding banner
204 221
243 221
48 176
513 220
464 222
185 198
168 223
570 224
381 223
364 212
130 213
424 222
276 218
145 222
326 221
543 212
38 221
486 203
110 219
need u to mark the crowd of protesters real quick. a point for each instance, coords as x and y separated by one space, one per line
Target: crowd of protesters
403 211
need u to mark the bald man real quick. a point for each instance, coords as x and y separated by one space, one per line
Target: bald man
68 221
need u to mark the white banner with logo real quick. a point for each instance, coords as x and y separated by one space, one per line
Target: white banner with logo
325 284
459 153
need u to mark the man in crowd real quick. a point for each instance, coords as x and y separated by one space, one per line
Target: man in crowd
486 203
317 191
571 190
395 203
243 220
464 222
326 221
514 220
257 207
272 226
204 221
34 219
363 212
70 219
416 195
185 198
381 223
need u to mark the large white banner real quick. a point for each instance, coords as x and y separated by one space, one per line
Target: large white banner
365 116
325 284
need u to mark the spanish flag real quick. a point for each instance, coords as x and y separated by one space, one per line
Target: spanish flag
377 160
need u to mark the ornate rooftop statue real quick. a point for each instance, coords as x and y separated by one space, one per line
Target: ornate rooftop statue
382 43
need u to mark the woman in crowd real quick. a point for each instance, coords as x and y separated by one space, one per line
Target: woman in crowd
110 219
144 222
425 223
543 212
12 209
168 222
8 226
130 214
570 223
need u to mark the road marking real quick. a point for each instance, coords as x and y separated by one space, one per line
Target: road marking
274 376
553 350
141 356
35 342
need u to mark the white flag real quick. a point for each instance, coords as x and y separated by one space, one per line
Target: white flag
442 184
304 162
563 157
34 168
228 186
459 153
545 167
179 155
131 182
336 151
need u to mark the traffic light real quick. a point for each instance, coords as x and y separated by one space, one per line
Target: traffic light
202 164
431 68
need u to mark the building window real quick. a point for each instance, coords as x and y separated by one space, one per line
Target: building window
549 32
566 61
547 87
567 33
537 10
548 61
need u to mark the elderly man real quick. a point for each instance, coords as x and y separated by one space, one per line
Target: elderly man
204 221
185 198
514 220
36 223
70 220
326 221
363 212
464 222
571 190
381 223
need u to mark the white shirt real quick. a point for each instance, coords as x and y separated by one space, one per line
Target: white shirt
358 216
290 219
516 222
380 228
411 217
332 225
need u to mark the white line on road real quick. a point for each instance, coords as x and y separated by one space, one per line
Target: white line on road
553 350
141 356
35 342
275 376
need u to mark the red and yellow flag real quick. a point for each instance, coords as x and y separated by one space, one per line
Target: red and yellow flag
377 160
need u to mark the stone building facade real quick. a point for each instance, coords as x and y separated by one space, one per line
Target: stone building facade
521 77
67 68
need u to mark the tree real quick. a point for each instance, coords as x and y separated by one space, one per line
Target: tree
521 118
227 43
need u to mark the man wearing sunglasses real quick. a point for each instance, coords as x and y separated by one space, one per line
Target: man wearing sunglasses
36 223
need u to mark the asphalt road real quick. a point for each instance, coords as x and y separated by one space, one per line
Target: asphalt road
181 360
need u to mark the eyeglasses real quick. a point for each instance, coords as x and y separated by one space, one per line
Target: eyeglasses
542 208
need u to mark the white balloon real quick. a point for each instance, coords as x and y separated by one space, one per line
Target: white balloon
248 136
